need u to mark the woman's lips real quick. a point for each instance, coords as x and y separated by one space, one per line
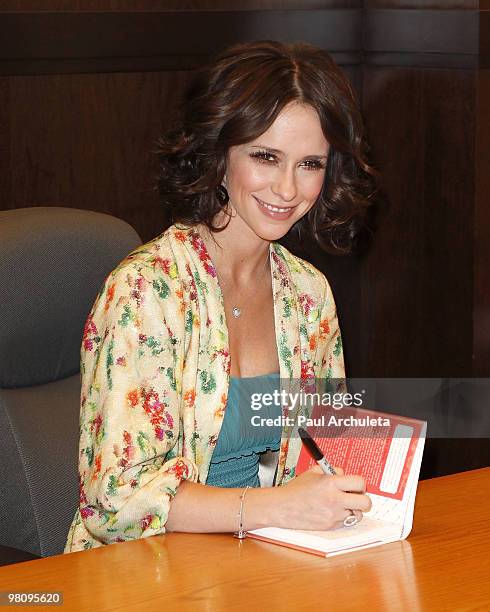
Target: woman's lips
275 212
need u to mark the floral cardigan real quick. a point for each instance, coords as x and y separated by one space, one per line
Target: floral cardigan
155 371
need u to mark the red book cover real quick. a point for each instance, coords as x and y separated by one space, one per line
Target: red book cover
376 445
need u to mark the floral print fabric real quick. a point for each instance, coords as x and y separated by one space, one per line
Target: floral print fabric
155 369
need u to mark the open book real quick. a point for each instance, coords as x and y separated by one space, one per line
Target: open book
383 448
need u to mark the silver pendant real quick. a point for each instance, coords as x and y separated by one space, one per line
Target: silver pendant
236 312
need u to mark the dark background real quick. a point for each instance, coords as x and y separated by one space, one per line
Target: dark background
87 86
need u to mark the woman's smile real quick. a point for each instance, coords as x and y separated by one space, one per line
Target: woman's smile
275 212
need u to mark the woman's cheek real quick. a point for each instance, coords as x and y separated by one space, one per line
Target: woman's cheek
311 188
318 185
261 176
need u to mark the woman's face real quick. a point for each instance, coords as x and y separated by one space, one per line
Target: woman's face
275 179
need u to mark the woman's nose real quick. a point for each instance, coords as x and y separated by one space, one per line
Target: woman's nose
285 185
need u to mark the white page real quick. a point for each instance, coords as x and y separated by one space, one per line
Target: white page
366 532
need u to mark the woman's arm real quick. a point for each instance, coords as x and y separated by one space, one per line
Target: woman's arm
129 460
311 501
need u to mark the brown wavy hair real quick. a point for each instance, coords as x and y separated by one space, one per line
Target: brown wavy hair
235 99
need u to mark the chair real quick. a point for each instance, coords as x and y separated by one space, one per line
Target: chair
53 261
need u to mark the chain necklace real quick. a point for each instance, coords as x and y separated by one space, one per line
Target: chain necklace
236 311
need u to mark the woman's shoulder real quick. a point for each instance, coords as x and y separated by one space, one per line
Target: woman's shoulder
145 284
147 276
156 258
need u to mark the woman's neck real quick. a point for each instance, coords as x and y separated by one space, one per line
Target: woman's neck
237 256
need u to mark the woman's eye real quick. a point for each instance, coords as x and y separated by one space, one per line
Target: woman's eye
263 156
313 164
270 158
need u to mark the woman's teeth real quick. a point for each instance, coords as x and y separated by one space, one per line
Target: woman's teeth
275 209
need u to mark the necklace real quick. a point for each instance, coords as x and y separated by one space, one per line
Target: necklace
236 311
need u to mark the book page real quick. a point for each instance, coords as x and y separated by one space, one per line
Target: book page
386 509
368 531
396 511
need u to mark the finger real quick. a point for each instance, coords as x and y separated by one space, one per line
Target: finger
339 471
357 501
356 484
358 514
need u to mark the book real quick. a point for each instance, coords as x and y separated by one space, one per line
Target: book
386 450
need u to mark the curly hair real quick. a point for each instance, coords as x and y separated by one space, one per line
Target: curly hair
234 100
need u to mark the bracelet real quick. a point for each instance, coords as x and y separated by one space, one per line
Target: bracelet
241 534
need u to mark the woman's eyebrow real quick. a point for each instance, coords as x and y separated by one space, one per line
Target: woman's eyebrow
279 152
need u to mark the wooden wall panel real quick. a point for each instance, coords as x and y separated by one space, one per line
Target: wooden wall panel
425 283
5 138
417 281
171 5
422 4
481 329
86 141
71 42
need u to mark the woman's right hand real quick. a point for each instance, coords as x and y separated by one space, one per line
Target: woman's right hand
315 501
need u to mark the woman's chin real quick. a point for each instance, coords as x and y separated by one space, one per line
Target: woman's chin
272 234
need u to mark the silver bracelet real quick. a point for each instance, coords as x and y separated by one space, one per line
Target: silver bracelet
241 534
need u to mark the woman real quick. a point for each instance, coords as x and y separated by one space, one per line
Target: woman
269 141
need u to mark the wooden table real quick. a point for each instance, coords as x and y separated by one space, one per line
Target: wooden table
444 565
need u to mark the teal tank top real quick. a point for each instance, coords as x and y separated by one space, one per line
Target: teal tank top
235 460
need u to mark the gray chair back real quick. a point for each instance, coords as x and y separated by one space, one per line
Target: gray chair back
53 262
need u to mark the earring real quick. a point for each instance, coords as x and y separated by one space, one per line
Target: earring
222 195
